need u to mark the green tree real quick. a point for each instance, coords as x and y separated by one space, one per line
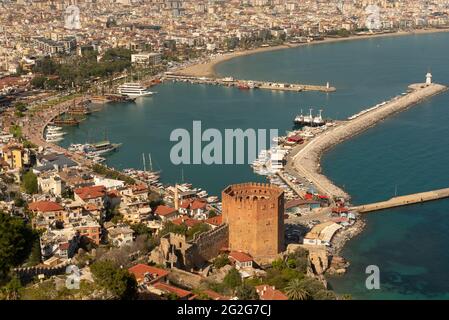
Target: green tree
16 131
246 292
278 264
118 281
141 229
197 230
296 291
221 261
11 291
28 144
171 227
233 279
39 82
16 240
29 183
18 201
212 213
20 107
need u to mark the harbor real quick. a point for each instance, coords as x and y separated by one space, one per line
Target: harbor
249 84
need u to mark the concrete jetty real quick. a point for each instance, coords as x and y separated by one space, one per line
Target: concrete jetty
306 160
403 201
267 85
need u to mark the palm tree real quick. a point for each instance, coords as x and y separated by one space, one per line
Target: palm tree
296 291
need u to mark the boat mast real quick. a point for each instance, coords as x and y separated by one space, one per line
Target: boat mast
151 162
144 164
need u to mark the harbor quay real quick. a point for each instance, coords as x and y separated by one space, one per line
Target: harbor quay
250 84
305 159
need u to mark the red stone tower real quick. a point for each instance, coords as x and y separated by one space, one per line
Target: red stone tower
255 215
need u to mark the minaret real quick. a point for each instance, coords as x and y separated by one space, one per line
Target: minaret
176 198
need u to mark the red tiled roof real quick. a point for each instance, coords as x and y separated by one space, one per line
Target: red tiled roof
114 194
93 192
339 209
139 271
45 206
171 289
197 204
267 292
185 204
164 210
186 220
240 256
139 188
216 221
91 207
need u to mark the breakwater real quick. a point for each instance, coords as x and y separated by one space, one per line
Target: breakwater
403 200
306 160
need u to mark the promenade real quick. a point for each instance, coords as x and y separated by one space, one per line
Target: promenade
34 127
305 160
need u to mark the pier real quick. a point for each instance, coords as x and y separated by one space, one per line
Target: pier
250 84
306 158
403 201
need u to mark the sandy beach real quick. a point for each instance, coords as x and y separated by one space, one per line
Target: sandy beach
207 68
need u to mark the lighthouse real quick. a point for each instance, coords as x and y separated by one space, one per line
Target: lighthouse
428 78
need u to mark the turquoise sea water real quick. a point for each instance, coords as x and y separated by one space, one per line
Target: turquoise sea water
408 152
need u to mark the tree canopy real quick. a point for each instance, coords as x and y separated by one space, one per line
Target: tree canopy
116 280
16 241
29 183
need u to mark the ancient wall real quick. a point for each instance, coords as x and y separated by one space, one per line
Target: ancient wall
25 274
189 255
254 213
208 244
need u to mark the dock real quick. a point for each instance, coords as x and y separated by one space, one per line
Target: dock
250 84
403 201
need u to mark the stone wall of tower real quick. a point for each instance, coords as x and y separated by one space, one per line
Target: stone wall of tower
254 213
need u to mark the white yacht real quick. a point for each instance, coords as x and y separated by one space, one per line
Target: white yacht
134 90
53 129
55 134
53 139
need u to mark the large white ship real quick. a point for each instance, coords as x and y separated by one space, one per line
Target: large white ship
134 90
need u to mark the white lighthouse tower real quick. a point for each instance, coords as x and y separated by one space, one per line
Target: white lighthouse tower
428 78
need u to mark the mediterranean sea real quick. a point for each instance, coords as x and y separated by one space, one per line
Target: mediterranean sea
406 153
